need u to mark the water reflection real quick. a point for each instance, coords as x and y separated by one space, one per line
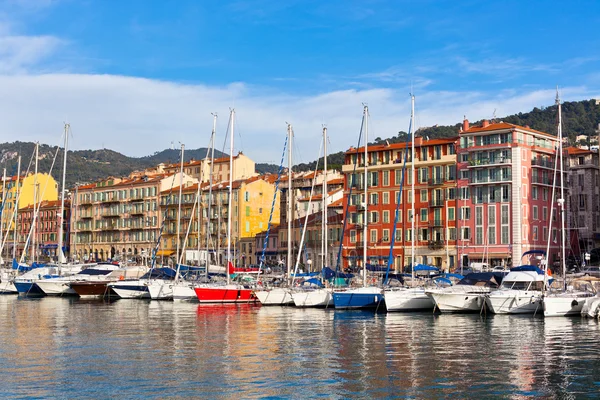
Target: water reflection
57 347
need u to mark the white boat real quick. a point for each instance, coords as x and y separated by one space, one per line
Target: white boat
184 291
61 285
6 282
468 295
521 290
277 296
312 297
407 299
565 303
138 288
591 307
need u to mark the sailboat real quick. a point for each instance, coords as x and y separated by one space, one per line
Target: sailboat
311 296
228 292
566 301
365 296
279 295
7 275
405 298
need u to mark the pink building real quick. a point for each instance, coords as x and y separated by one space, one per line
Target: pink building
505 182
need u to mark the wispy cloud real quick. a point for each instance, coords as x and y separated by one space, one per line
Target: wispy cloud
19 54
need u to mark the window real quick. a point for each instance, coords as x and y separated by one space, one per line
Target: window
545 214
423 175
424 212
374 198
247 211
247 196
352 236
451 233
545 194
385 198
505 193
247 226
451 193
423 195
535 233
534 192
386 178
374 217
465 233
438 152
398 177
535 213
386 217
423 234
386 235
423 153
451 174
464 213
373 235
450 213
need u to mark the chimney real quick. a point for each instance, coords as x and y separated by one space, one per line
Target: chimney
418 141
485 124
465 126
527 127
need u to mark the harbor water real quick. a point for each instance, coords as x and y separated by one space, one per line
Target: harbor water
75 348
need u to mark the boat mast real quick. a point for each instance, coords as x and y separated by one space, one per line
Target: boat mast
210 181
16 210
561 200
35 200
179 211
289 204
229 258
412 186
325 215
366 119
2 215
61 255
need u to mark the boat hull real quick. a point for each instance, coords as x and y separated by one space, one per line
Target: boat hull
591 307
160 290
131 291
225 294
275 297
407 300
363 298
514 303
313 298
184 292
92 289
459 298
56 288
8 287
563 305
28 289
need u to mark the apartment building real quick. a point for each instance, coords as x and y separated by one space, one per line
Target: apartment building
44 238
390 184
505 179
584 195
119 217
243 167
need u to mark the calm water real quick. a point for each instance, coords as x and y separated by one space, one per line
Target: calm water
70 348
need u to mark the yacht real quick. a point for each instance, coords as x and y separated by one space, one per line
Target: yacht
522 288
468 295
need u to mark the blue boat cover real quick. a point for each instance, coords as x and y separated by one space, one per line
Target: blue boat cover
160 273
527 268
314 282
328 273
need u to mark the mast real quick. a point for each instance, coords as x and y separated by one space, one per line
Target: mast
325 215
16 209
35 200
229 258
561 200
179 209
366 119
289 203
210 181
412 186
2 215
74 207
61 255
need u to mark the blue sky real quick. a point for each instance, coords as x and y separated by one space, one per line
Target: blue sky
134 76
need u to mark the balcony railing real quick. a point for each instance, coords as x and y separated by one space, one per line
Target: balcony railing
436 244
437 223
489 179
436 181
436 201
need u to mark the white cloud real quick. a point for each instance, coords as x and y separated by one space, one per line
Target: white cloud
139 116
21 53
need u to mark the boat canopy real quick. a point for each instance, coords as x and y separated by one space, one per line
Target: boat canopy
489 279
328 273
313 282
527 268
160 273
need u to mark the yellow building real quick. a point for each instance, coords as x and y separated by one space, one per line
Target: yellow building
243 168
47 190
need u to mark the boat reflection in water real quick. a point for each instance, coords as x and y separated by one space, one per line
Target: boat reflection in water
73 348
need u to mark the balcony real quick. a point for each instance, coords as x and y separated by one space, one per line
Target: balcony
111 227
490 179
435 244
542 180
84 228
86 216
486 162
107 200
110 214
436 181
86 202
436 201
437 223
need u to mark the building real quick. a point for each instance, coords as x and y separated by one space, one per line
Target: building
584 193
388 185
505 193
25 195
119 217
270 245
44 238
243 168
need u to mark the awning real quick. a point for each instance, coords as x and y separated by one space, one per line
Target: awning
164 253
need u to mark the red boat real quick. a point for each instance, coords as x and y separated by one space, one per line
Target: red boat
225 294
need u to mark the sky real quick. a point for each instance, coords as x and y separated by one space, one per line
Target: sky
139 76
